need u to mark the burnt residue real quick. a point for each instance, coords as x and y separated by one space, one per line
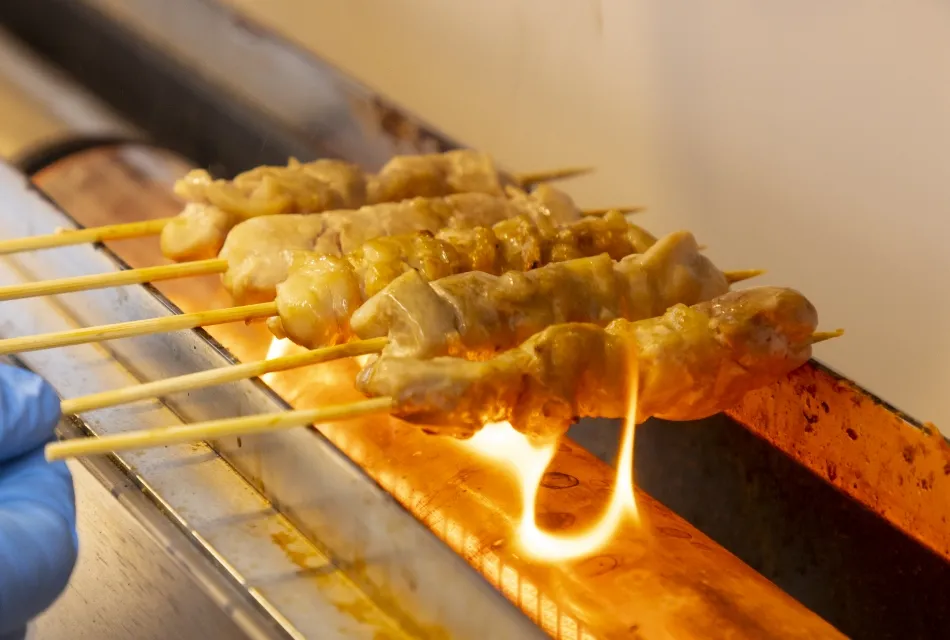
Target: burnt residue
558 480
909 452
866 448
404 130
672 532
597 565
554 521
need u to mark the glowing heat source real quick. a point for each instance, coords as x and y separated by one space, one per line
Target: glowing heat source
529 461
277 349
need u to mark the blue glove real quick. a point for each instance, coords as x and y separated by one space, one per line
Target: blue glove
37 506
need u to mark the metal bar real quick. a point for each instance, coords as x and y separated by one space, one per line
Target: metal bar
242 97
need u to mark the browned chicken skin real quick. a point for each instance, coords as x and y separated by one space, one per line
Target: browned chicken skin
261 250
215 206
476 314
321 292
689 363
438 174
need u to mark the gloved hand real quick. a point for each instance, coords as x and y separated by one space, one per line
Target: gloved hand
38 542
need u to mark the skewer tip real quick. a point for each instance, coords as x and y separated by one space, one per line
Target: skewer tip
821 336
605 210
733 277
529 179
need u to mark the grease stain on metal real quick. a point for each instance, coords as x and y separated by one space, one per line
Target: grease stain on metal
558 480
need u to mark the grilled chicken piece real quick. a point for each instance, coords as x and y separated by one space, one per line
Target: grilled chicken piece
322 292
476 314
688 364
323 185
261 250
438 174
215 206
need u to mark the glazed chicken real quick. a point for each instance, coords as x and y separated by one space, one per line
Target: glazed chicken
261 250
215 206
476 315
438 174
687 364
322 292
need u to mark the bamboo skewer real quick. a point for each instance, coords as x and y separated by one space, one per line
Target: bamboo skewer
535 177
83 236
739 275
602 211
821 336
115 279
137 328
221 375
212 430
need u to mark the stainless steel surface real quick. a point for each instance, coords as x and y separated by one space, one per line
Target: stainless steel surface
269 72
131 580
242 96
387 556
125 584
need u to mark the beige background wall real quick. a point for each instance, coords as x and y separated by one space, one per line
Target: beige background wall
807 137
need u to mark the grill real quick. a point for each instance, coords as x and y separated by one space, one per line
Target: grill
812 509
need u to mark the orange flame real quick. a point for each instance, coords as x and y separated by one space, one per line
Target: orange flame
529 461
278 348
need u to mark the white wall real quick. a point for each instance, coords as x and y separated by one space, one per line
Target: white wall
808 137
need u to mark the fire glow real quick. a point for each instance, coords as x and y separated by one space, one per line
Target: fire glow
277 349
528 461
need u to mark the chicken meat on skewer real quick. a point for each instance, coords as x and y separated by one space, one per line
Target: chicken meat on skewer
475 315
321 292
261 250
438 174
687 364
214 206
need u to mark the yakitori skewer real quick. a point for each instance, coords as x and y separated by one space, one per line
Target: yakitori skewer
472 312
671 272
476 315
258 268
689 363
532 178
311 187
233 373
684 366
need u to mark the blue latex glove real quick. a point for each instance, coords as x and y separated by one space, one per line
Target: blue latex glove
37 505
